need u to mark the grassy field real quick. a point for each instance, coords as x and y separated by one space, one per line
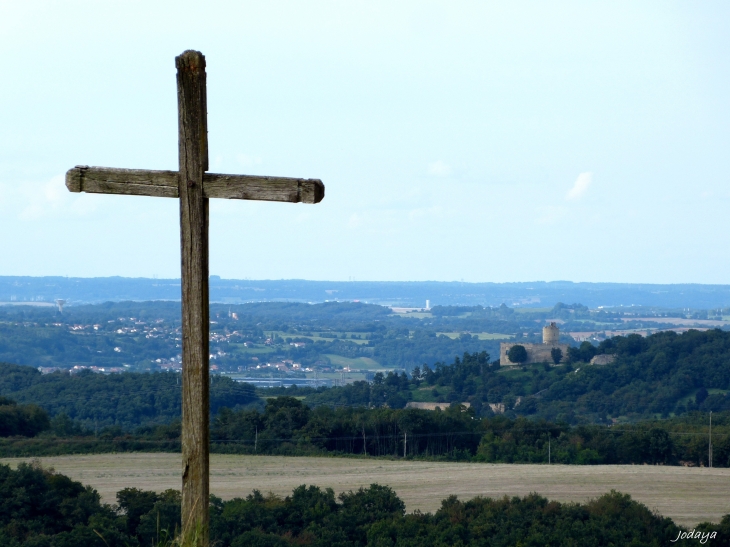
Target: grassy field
481 335
426 394
252 351
687 495
532 310
413 314
317 336
359 363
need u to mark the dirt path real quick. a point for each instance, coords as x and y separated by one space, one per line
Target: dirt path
687 495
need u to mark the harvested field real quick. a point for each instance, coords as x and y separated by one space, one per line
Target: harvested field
687 495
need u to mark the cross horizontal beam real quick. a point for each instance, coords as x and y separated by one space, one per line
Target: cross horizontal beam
143 182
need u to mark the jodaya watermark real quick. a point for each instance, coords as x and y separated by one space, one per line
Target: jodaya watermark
695 534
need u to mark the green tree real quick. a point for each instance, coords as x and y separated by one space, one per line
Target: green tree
517 354
163 519
135 503
556 354
25 420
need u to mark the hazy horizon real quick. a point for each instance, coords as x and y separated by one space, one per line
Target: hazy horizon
388 293
333 280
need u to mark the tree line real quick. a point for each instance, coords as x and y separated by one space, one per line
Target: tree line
288 427
42 508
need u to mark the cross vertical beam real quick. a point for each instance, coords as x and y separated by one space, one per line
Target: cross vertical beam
193 186
193 158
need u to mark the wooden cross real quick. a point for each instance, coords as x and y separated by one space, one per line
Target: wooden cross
193 186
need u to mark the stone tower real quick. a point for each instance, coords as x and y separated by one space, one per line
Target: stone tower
550 334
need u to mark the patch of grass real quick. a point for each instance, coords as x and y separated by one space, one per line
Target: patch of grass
358 363
531 310
240 348
480 335
318 336
425 394
691 395
336 376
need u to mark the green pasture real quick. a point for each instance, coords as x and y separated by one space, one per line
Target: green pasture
418 314
240 348
481 335
349 376
413 314
692 394
532 310
425 394
317 336
359 363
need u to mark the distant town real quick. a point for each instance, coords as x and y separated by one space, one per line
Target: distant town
271 344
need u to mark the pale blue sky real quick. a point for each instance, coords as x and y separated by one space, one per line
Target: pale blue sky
511 141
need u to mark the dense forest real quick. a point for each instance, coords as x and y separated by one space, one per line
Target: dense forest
127 400
41 508
21 420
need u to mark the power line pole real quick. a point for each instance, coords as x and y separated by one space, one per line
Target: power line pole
710 448
549 451
405 442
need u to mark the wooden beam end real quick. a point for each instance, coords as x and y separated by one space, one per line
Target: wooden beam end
190 60
311 191
318 190
73 178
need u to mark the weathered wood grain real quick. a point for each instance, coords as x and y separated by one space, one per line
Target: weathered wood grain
193 161
134 182
258 188
143 182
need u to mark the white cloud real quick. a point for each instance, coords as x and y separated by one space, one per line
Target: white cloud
44 199
439 169
51 198
580 187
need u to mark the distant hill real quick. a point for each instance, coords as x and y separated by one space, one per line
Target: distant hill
657 376
407 294
126 400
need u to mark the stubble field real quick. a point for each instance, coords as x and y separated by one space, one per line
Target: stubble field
687 495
